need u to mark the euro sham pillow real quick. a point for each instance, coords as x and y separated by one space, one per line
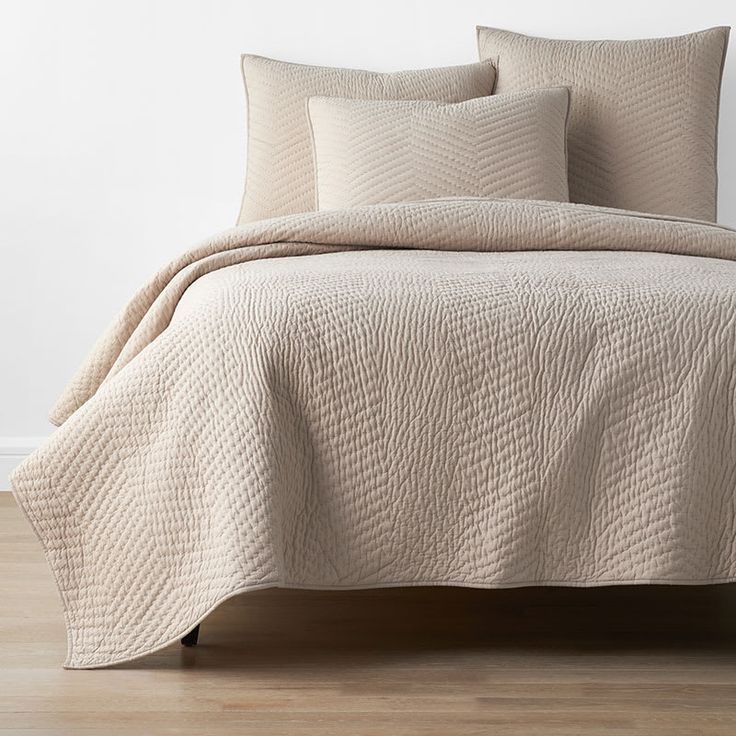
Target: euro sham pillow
369 152
280 169
643 125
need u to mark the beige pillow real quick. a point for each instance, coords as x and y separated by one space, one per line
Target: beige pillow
280 169
368 152
643 122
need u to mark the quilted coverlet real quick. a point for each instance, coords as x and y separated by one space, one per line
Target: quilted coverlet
454 392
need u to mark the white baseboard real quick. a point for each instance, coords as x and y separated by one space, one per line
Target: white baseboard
13 450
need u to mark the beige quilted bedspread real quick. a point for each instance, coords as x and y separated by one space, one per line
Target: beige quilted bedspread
459 392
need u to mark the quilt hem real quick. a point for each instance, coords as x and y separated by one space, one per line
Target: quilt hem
478 585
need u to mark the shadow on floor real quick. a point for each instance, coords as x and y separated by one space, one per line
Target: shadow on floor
278 628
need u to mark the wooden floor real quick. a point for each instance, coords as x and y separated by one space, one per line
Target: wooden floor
548 661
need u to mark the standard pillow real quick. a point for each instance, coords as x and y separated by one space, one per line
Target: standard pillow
280 169
643 125
367 152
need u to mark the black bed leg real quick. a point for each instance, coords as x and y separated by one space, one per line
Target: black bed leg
190 640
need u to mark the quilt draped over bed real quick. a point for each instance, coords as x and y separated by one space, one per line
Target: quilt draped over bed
456 392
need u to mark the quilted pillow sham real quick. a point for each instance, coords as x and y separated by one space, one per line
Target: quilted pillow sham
280 168
369 152
643 125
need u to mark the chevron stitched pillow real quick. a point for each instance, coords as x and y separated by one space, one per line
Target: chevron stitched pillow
280 175
643 114
368 152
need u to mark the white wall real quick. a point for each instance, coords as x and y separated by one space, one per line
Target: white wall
122 137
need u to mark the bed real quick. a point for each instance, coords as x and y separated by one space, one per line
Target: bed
485 391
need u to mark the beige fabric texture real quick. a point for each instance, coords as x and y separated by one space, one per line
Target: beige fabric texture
643 122
370 152
280 166
461 392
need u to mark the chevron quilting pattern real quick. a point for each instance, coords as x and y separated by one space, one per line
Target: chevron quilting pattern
643 122
280 167
368 152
